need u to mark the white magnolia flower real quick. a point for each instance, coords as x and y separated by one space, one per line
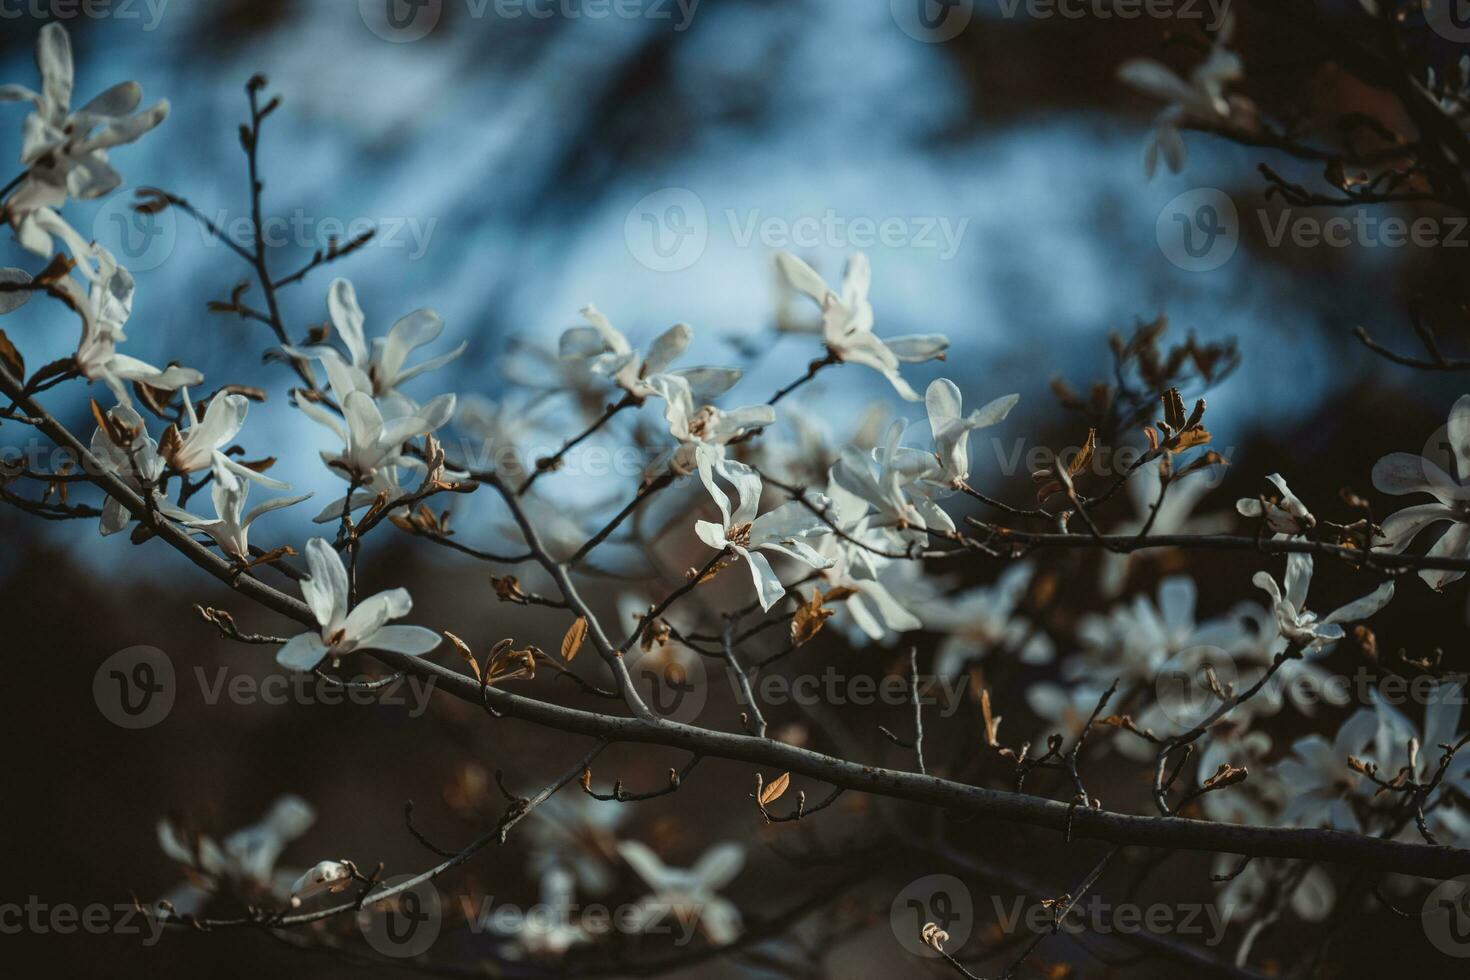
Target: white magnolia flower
1283 515
65 152
952 430
874 610
577 832
607 352
371 441
230 527
550 932
326 877
981 620
1302 627
1265 886
381 369
690 894
194 448
1199 98
136 463
1176 516
1318 778
1404 473
847 322
104 306
344 631
700 426
884 477
782 530
245 860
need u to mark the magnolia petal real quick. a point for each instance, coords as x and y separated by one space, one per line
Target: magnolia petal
347 318
302 652
326 591
1454 543
411 641
664 350
1402 473
802 277
410 332
768 587
1402 527
917 348
370 615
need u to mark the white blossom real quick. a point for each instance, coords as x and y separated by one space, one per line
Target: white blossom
246 859
847 322
783 531
65 152
342 630
691 895
952 430
135 462
1285 514
371 442
695 426
1296 622
1318 777
381 369
983 619
550 932
194 448
230 527
1200 98
1175 516
607 352
1405 473
325 877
